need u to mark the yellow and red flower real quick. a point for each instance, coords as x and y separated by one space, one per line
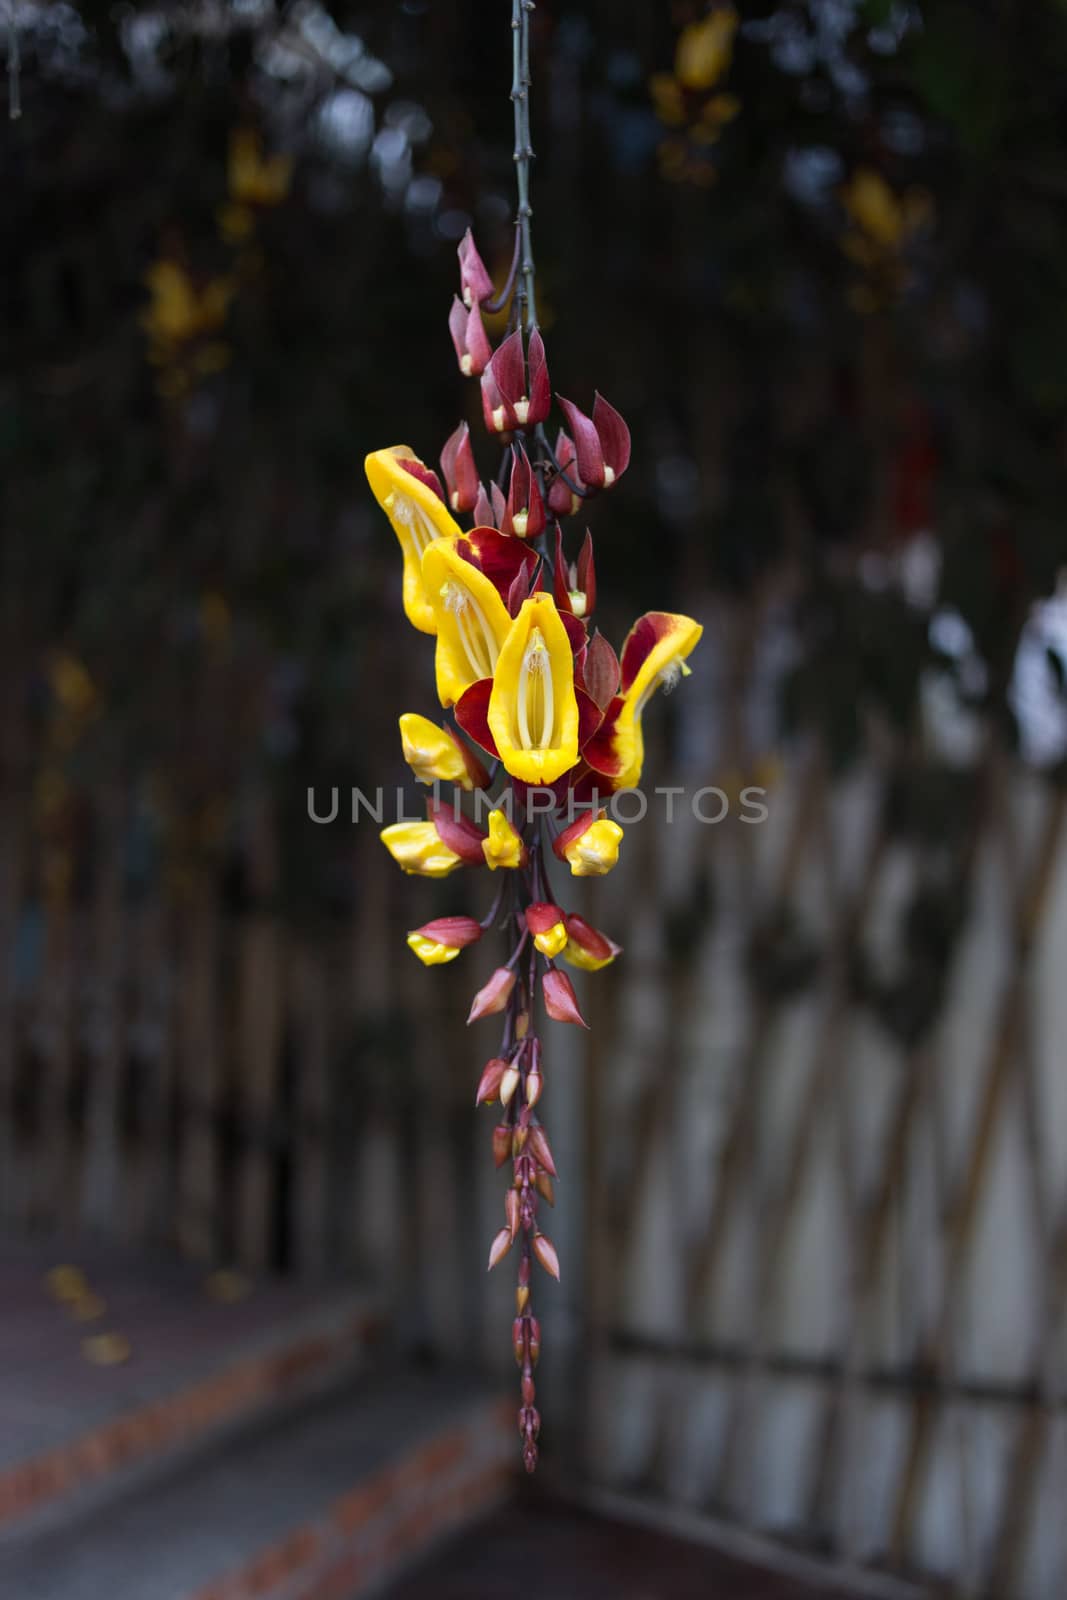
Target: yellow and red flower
410 495
653 657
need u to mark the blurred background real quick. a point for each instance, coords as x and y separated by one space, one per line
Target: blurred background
813 1203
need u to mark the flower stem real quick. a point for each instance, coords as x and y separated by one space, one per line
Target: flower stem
524 155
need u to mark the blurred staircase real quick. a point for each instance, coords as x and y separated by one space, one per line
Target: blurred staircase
171 1436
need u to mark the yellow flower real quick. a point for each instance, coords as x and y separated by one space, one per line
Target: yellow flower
255 179
547 924
595 851
418 848
871 203
533 709
431 952
418 517
178 310
504 846
435 756
652 657
587 947
471 620
668 98
705 49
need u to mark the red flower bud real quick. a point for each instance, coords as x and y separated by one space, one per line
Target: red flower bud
562 500
600 671
527 1390
524 511
489 1082
561 1003
574 584
457 832
501 1143
460 472
492 996
540 1150
456 931
533 1340
543 1185
475 283
499 1248
483 510
511 398
542 916
469 339
511 1211
585 940
518 1339
545 1251
601 443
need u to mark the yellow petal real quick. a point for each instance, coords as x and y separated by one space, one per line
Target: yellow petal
533 710
432 756
416 847
430 951
470 619
661 667
593 854
504 846
418 518
705 49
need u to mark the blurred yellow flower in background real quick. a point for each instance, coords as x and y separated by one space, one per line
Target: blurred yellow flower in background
255 179
705 49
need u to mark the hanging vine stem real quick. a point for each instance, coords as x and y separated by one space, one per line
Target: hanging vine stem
523 155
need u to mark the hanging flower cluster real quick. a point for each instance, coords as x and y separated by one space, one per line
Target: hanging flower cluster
546 718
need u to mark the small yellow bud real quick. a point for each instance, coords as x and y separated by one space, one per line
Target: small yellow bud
595 851
417 848
551 942
431 952
504 846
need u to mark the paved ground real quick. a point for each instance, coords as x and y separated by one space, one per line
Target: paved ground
533 1550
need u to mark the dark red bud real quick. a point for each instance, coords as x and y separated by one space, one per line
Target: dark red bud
601 671
588 452
457 832
540 390
614 438
456 931
534 1340
561 1003
489 1082
483 511
459 471
518 1339
493 996
475 283
542 915
501 1144
540 1150
562 501
599 946
469 339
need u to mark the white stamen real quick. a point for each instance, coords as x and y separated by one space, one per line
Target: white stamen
474 633
522 411
536 672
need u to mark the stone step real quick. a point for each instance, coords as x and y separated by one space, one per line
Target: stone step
113 1367
329 1503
